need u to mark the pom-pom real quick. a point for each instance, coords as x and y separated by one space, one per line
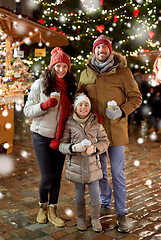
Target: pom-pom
55 50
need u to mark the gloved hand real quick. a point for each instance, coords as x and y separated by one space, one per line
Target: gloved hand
113 114
78 147
50 103
90 150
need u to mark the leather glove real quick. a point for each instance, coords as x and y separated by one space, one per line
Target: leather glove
90 150
113 114
78 147
50 103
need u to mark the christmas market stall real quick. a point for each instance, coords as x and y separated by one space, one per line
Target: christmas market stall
16 30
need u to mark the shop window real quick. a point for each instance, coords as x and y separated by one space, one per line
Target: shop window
18 7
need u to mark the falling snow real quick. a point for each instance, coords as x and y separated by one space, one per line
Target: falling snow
6 165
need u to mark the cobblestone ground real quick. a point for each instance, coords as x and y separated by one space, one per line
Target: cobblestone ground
19 192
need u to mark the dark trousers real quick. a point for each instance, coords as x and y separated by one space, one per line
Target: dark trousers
51 163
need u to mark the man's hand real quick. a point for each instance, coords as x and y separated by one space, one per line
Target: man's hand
113 114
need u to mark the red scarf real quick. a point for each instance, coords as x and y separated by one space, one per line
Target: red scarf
65 109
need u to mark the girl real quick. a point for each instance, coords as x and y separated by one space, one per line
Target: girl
84 169
49 117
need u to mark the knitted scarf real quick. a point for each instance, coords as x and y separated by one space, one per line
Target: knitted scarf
81 121
65 109
102 67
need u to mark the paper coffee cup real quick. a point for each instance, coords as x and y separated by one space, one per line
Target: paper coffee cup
110 105
55 95
87 143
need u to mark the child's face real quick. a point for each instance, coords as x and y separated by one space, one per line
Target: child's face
82 109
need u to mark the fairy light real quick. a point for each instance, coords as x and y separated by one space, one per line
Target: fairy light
56 3
142 26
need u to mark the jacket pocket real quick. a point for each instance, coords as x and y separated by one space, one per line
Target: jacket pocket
118 120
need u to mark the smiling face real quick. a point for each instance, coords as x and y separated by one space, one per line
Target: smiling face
82 109
61 69
102 52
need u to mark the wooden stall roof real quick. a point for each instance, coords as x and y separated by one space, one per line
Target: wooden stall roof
149 56
19 28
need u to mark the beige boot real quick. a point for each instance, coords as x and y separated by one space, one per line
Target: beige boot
81 215
42 215
159 131
95 215
152 129
52 216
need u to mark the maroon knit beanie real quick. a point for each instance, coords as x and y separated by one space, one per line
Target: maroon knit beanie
58 56
102 40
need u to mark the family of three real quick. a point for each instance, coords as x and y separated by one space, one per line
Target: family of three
61 126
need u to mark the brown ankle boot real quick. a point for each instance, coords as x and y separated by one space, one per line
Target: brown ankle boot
42 215
81 215
95 215
52 216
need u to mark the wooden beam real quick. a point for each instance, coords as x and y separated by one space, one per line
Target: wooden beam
7 26
17 45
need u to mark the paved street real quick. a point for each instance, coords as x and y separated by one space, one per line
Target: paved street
19 192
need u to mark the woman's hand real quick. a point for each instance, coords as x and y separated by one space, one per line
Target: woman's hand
50 103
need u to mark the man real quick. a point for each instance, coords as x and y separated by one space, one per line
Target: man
107 78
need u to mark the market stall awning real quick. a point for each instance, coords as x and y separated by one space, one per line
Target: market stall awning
149 56
20 28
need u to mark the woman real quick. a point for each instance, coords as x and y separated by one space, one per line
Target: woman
49 118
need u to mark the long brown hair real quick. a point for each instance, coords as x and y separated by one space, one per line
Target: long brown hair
49 77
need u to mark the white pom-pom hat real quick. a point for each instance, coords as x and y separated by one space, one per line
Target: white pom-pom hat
81 98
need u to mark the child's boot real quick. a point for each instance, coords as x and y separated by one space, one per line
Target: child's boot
52 216
42 215
81 215
95 215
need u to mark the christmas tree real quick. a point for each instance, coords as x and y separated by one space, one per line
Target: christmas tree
132 26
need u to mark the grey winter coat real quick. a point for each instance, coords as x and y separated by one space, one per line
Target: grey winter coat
80 168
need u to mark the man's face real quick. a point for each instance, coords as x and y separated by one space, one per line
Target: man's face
102 52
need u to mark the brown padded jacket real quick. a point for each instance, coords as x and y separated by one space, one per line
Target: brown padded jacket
82 168
115 84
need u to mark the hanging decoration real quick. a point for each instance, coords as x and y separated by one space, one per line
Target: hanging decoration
41 21
101 2
151 34
40 52
100 28
146 50
2 26
54 28
78 30
62 32
115 18
136 12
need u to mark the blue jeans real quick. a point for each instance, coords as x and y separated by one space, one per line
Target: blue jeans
51 163
117 161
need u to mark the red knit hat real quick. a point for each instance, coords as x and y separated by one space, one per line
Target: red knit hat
58 56
102 40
